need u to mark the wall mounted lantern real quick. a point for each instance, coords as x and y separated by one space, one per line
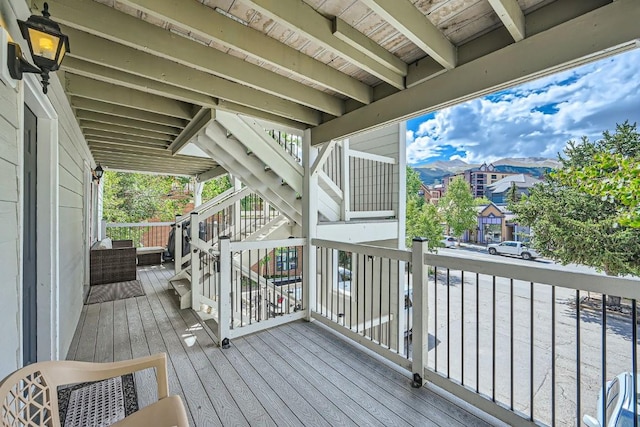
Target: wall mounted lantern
97 173
47 45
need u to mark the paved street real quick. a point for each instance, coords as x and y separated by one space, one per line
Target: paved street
476 334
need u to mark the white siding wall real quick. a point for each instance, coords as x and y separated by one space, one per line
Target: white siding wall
67 232
10 216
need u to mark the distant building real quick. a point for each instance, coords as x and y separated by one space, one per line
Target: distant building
498 191
431 193
478 178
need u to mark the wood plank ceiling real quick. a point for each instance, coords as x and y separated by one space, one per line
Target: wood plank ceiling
142 74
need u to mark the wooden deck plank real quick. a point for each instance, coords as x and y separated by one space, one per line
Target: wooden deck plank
146 385
164 339
87 346
279 384
73 347
342 400
360 398
355 357
239 390
266 355
121 338
104 339
296 374
223 403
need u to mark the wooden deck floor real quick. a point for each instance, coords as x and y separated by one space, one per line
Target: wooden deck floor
296 374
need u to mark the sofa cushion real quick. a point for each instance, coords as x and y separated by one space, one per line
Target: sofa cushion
105 243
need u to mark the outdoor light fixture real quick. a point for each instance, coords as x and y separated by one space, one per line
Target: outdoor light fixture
47 45
97 173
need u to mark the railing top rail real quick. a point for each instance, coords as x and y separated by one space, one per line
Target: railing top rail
138 224
379 251
371 156
214 203
268 244
549 274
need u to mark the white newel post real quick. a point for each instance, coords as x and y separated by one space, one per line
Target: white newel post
197 193
195 263
420 338
309 224
346 179
224 297
177 247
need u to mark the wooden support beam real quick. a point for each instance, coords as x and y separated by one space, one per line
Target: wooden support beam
121 121
124 137
211 174
602 32
404 17
117 142
209 24
511 16
84 104
300 17
364 44
88 124
118 95
201 120
108 23
103 59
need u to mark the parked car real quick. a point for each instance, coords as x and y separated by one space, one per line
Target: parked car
619 406
448 241
511 247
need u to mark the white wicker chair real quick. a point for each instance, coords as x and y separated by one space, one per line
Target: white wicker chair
29 395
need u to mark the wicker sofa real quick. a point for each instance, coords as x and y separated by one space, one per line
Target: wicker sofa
117 264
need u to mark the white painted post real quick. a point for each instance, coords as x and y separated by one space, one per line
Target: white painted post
195 263
237 211
309 224
177 247
103 230
346 189
197 194
419 337
224 297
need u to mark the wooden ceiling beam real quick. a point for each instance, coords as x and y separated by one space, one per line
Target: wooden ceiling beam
407 19
109 23
103 140
123 137
121 121
209 24
105 92
84 104
511 16
89 124
211 174
602 32
103 59
301 17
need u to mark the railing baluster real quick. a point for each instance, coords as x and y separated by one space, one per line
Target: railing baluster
493 339
435 309
553 356
603 366
462 327
578 362
531 348
448 322
477 332
634 361
511 346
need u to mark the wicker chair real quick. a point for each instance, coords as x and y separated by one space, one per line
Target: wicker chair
113 265
29 395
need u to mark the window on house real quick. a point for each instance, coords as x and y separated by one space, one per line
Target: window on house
286 259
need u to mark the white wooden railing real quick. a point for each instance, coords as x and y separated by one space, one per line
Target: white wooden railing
532 344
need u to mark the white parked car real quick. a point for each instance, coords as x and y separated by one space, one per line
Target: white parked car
511 247
619 406
448 241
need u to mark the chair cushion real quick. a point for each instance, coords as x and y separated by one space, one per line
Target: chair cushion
166 412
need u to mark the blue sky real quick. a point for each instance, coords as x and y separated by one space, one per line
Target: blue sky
535 119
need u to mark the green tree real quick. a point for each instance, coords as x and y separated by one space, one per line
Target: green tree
215 187
612 173
571 222
422 219
480 201
457 207
512 195
135 197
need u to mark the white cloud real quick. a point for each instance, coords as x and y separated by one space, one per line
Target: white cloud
536 118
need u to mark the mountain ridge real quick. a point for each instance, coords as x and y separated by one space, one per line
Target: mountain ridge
535 166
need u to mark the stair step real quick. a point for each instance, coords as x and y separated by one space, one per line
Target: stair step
182 288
